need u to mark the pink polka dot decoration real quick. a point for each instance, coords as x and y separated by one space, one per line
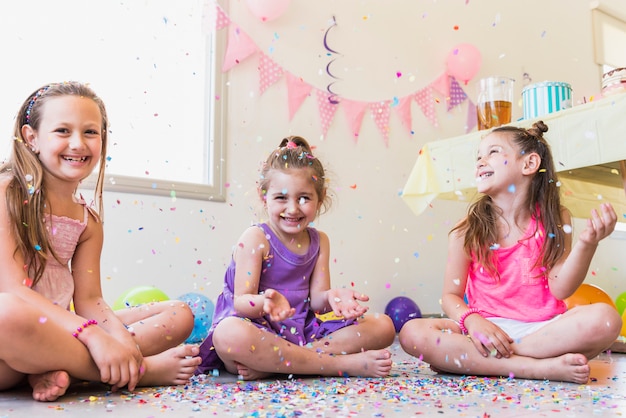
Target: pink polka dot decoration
269 71
327 108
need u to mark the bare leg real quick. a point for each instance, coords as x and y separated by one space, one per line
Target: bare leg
55 355
597 327
158 326
440 343
372 332
245 348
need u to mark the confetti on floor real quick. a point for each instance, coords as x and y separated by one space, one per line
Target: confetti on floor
411 390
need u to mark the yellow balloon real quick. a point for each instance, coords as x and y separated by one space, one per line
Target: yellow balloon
587 294
623 333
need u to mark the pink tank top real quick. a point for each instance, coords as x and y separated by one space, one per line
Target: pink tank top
522 292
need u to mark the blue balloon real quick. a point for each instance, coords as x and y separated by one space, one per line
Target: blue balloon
401 310
202 308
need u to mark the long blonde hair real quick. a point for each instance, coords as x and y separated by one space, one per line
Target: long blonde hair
543 203
26 194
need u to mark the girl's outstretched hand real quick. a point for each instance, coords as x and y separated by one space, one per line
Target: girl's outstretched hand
344 302
600 225
277 306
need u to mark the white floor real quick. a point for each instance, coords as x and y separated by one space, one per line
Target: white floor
411 390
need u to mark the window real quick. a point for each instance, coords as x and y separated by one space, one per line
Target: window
609 34
154 65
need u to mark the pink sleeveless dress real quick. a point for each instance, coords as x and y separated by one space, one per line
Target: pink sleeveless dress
57 282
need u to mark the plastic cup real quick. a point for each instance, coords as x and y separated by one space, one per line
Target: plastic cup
494 103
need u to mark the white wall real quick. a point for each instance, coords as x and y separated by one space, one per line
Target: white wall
378 245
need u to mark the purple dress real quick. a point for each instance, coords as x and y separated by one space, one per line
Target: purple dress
289 274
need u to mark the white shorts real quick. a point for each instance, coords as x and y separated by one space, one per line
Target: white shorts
519 329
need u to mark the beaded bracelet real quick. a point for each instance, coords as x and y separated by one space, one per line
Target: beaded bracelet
465 315
85 325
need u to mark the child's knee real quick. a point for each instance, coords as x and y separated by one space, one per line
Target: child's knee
230 331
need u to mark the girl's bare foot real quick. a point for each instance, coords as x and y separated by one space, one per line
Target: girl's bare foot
371 363
246 373
567 368
171 367
49 386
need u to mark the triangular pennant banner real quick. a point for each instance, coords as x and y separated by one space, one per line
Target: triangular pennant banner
222 20
403 109
297 91
380 114
354 112
269 71
424 99
442 85
457 95
327 105
239 47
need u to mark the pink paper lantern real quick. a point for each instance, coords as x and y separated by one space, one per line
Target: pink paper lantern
267 10
463 62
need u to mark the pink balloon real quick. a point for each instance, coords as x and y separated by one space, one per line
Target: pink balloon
463 62
267 9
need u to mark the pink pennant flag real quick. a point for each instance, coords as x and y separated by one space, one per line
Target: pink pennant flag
239 47
327 104
222 20
269 72
457 95
471 120
442 85
425 101
354 112
380 114
297 91
403 109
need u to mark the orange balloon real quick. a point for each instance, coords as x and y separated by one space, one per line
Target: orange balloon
587 294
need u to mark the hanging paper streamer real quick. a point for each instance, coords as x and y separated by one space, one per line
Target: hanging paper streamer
333 97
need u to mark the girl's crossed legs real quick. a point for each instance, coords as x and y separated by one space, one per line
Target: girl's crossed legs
355 350
54 356
560 350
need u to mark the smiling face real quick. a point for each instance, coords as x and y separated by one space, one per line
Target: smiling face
498 165
68 140
291 201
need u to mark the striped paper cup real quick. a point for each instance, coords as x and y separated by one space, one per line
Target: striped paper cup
546 97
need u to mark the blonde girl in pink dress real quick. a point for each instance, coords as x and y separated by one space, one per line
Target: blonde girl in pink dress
50 245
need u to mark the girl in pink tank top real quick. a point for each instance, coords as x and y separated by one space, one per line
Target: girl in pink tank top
511 263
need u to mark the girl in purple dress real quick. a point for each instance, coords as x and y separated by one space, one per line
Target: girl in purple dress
278 279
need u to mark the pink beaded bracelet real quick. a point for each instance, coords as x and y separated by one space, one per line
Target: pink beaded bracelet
465 315
85 325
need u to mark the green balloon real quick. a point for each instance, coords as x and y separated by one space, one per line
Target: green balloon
620 302
139 296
